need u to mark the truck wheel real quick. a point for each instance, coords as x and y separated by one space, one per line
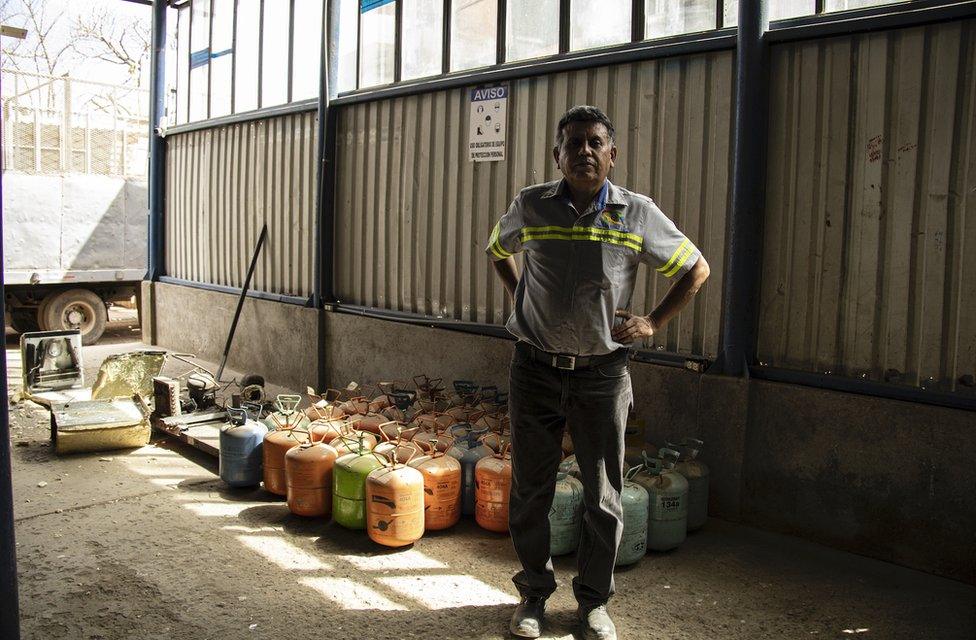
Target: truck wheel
77 309
24 320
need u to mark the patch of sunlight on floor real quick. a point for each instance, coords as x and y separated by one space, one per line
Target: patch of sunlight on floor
855 631
167 482
169 471
221 509
351 595
283 553
447 591
243 529
409 559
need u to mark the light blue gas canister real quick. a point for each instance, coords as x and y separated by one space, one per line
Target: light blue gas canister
667 490
240 450
634 500
468 450
570 466
565 515
696 473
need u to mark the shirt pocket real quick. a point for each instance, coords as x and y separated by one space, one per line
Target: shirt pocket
617 261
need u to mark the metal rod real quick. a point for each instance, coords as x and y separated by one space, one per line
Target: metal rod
261 55
210 23
397 41
639 20
157 145
325 206
9 611
291 48
865 387
565 24
298 301
719 14
740 313
500 32
446 38
240 301
233 61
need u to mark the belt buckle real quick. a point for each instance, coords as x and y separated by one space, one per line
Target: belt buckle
561 361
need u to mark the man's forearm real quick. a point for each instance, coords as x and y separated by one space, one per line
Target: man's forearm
680 294
508 273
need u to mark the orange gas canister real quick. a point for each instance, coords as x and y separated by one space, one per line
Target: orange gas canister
493 479
327 429
354 442
276 445
395 504
308 473
442 488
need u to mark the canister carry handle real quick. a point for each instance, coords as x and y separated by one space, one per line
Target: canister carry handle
669 457
653 466
288 403
634 470
693 446
237 416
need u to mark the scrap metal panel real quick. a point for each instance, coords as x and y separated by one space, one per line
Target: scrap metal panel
224 183
871 184
413 214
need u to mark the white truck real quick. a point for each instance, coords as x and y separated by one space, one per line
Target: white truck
73 244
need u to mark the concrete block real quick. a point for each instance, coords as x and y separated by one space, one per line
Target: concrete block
889 479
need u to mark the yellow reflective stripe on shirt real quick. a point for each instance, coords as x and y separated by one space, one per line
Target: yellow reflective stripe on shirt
495 245
677 253
684 258
622 235
629 240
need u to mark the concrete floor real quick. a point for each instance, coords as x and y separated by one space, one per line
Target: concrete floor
150 544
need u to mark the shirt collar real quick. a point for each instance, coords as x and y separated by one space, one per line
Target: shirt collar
609 194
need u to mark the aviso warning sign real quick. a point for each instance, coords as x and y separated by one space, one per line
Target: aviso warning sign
486 133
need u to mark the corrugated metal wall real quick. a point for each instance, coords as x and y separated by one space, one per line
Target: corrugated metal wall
223 183
871 206
413 214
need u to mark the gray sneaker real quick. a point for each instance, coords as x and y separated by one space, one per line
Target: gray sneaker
527 619
597 625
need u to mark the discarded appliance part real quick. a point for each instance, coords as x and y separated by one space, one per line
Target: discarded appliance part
51 361
202 390
240 300
122 375
99 425
253 393
166 397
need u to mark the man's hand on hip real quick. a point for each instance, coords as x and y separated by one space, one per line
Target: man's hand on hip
632 328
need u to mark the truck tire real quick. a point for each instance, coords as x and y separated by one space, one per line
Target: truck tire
76 309
24 320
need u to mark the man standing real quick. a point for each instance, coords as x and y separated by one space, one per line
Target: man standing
583 239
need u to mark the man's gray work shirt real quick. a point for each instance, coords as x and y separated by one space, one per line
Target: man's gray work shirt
579 269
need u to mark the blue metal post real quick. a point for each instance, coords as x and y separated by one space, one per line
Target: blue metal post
157 144
740 317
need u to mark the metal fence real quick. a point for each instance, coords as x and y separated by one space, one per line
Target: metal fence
58 125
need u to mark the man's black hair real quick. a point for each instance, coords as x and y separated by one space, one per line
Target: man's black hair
583 113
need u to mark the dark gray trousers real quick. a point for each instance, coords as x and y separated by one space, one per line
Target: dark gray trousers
593 404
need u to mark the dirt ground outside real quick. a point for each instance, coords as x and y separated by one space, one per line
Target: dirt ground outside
148 543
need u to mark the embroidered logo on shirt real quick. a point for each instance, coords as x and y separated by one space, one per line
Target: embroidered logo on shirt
611 219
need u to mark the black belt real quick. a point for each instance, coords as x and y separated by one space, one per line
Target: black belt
570 362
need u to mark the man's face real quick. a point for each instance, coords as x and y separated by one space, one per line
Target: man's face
585 155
